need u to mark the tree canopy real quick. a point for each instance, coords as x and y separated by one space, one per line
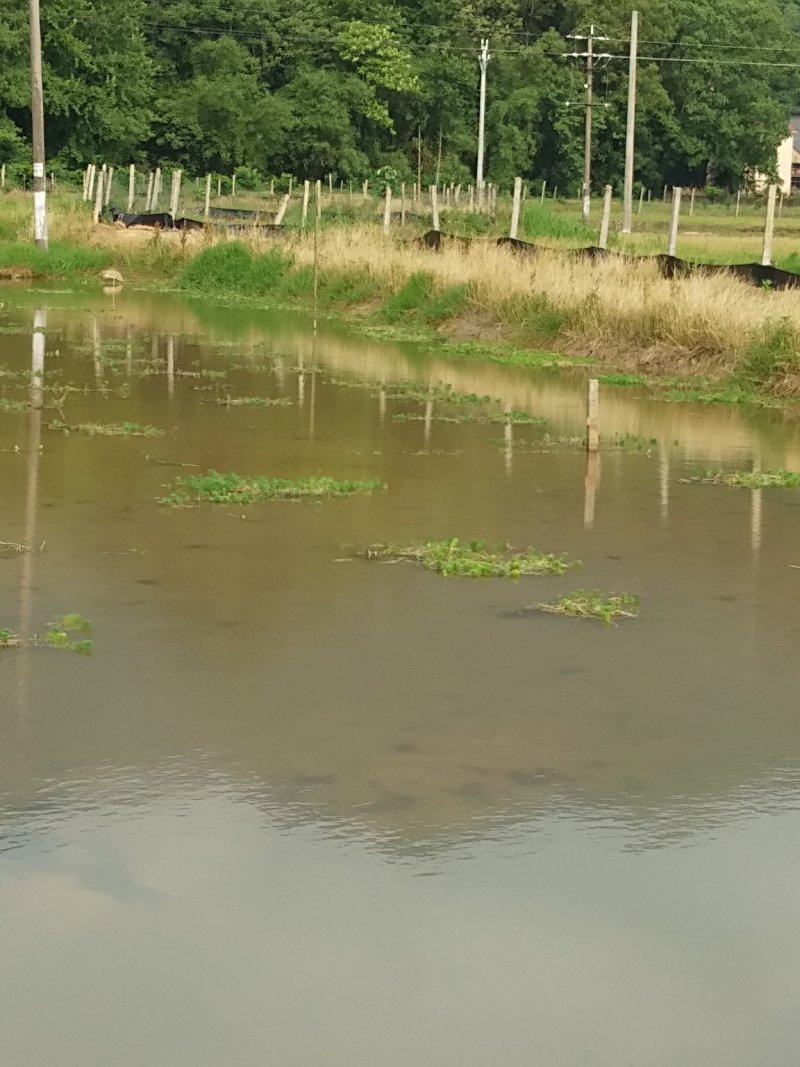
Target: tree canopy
338 86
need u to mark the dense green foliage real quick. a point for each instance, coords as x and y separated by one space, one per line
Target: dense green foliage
277 88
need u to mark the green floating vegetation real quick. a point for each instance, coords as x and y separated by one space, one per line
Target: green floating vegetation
253 401
750 479
518 418
59 634
232 488
441 392
622 379
631 442
12 406
473 559
107 429
8 639
589 604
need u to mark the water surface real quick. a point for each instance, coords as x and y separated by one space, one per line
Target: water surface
302 808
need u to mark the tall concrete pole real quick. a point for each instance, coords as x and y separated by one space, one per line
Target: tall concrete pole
483 60
627 207
37 126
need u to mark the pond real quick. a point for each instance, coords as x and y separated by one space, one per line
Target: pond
299 807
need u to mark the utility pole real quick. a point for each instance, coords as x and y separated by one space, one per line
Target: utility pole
590 56
483 60
37 126
627 208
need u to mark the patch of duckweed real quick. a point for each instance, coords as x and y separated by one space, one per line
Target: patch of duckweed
60 634
590 604
473 559
232 488
253 401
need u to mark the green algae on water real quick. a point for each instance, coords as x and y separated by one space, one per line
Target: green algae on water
590 604
232 488
473 559
107 429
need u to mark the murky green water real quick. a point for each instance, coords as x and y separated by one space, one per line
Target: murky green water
297 809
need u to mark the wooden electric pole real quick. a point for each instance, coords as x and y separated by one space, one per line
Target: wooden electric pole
589 55
627 203
37 127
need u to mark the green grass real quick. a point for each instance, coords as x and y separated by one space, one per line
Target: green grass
229 269
773 353
231 488
622 379
473 559
61 259
418 299
540 220
107 429
779 479
589 604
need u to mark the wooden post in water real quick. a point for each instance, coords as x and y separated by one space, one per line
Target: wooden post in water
207 204
515 205
672 247
590 484
606 217
434 208
769 227
282 210
98 201
387 209
593 416
306 191
131 186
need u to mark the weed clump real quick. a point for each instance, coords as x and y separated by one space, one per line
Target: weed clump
229 268
751 479
59 634
253 401
586 604
8 639
473 559
107 429
232 488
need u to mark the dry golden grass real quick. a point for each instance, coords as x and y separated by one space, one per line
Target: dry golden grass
610 306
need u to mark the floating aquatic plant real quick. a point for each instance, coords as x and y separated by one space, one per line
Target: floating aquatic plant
473 559
232 488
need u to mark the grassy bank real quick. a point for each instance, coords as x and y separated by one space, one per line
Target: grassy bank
705 336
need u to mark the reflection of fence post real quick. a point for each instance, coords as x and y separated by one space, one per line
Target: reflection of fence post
590 484
434 208
513 229
769 227
593 416
672 247
605 221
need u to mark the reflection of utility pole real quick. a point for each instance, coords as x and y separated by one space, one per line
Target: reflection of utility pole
483 60
590 56
37 129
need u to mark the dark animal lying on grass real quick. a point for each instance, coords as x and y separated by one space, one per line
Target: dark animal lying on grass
159 220
755 274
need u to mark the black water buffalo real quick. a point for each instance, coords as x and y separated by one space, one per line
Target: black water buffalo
755 274
513 244
434 239
187 224
159 220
